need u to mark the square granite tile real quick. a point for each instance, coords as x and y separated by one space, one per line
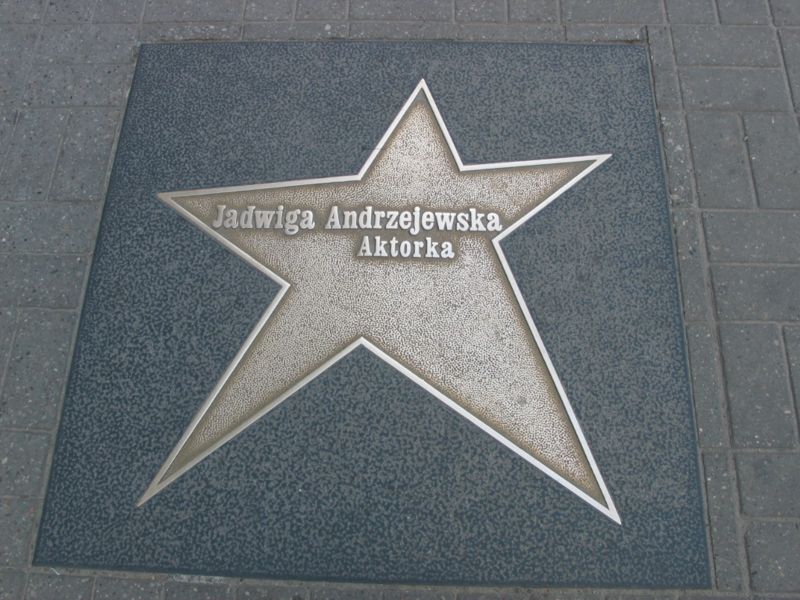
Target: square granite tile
362 475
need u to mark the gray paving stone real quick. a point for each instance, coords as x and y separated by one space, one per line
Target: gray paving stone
725 542
720 161
399 30
118 11
499 595
197 10
641 595
76 43
12 584
16 51
16 528
69 11
605 33
725 46
78 85
612 11
533 10
790 41
22 11
176 590
85 155
734 88
747 293
58 587
759 400
422 594
339 593
37 369
678 157
774 143
41 280
575 595
269 591
786 12
47 227
690 11
8 327
491 11
768 483
773 548
115 588
405 10
8 119
269 10
791 335
22 462
743 12
708 390
691 266
321 10
665 73
508 33
752 236
713 595
303 30
181 32
32 155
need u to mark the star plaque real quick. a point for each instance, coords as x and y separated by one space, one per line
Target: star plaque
388 259
384 313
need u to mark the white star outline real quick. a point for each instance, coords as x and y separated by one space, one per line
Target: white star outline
160 482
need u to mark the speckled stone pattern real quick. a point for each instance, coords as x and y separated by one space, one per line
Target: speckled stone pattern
363 476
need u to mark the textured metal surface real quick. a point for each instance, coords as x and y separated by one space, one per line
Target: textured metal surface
474 347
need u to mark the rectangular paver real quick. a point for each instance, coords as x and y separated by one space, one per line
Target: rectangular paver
678 156
720 160
773 548
401 10
85 154
665 73
321 10
725 46
734 88
743 12
47 227
612 11
116 588
725 541
22 462
41 280
695 287
198 10
757 293
31 156
690 11
533 10
749 236
768 483
759 398
16 529
774 144
37 369
707 385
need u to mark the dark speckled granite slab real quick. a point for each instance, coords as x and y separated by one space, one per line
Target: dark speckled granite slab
324 487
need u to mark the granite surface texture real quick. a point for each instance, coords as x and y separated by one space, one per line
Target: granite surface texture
726 78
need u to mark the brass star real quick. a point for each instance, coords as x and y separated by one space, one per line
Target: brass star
456 326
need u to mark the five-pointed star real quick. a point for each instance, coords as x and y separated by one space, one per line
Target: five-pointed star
458 327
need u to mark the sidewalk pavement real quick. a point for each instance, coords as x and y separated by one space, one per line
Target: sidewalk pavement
727 80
